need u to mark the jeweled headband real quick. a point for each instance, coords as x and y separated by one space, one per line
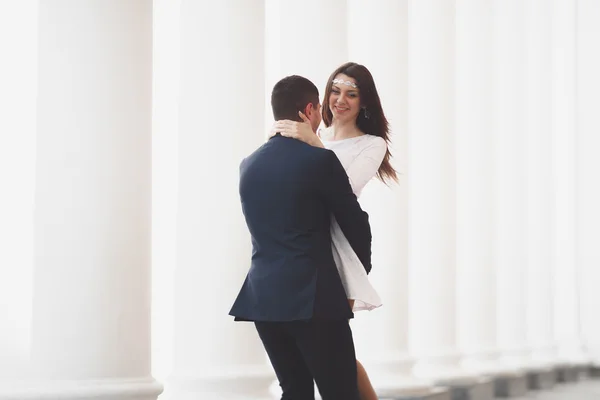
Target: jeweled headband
347 83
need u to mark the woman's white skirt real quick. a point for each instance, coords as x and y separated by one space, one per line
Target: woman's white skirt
352 272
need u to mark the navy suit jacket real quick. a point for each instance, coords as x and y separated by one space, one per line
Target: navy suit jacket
289 190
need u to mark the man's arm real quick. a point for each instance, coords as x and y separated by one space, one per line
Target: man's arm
342 202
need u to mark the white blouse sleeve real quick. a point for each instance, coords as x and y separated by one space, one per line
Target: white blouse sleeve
366 164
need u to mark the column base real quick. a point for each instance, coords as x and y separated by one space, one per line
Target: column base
487 367
400 387
517 359
593 371
428 394
541 378
234 384
391 377
403 388
511 385
102 389
582 371
397 363
566 373
546 354
442 367
575 367
443 371
470 389
572 351
508 381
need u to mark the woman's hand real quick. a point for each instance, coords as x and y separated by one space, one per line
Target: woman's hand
297 130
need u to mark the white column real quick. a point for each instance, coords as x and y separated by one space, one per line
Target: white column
540 195
91 306
305 38
564 100
220 122
166 64
431 189
292 49
509 170
382 46
588 165
476 312
18 83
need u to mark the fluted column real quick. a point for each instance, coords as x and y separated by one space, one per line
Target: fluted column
166 68
313 53
323 48
566 280
509 170
383 48
588 165
220 122
294 49
431 189
476 313
18 91
540 195
91 301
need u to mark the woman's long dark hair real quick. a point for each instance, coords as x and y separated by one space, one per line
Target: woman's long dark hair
371 119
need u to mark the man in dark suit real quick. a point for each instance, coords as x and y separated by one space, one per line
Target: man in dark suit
293 291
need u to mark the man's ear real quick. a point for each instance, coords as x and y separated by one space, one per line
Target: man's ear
308 110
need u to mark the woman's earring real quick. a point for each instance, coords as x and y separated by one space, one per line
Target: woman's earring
367 115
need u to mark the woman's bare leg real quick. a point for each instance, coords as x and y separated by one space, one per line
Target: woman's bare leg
365 389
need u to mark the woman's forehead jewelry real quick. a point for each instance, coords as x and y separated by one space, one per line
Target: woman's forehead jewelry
347 83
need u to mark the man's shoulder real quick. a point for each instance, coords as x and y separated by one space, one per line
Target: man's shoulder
321 156
294 152
279 144
254 154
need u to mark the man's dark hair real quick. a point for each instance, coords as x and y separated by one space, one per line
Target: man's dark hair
292 94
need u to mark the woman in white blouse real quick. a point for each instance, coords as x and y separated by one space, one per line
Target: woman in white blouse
357 131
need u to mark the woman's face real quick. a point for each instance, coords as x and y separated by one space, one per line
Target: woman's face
344 100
